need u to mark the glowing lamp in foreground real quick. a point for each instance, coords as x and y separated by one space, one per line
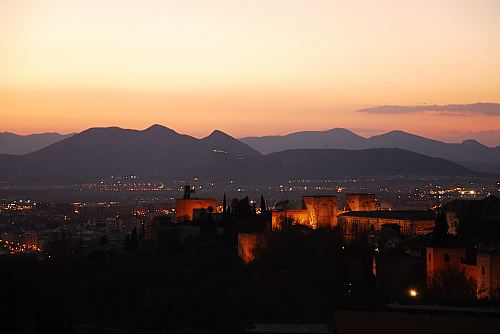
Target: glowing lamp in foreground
413 293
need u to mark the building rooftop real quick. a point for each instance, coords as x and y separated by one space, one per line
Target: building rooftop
390 214
488 205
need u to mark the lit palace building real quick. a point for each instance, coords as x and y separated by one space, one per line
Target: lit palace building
411 222
186 206
316 212
358 216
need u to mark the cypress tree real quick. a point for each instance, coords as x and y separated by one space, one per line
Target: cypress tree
224 205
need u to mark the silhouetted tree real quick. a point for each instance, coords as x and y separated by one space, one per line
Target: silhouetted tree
207 223
241 208
285 262
451 283
286 222
360 276
224 205
440 233
262 204
234 206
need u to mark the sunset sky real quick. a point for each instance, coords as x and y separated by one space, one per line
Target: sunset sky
250 67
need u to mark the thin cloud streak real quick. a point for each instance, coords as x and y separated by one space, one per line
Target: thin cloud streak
488 109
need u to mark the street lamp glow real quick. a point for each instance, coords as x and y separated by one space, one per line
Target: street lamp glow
413 293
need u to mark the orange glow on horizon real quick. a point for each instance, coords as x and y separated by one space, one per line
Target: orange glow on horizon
246 68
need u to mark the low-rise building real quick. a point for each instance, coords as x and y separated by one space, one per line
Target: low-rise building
488 209
360 202
484 268
413 222
316 212
184 207
30 239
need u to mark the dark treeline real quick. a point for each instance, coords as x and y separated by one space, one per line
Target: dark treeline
300 276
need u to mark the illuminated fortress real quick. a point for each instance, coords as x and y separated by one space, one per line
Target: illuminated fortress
185 207
317 212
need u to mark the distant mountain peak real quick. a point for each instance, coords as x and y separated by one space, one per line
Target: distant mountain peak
398 135
100 132
398 131
472 142
401 132
220 141
217 133
344 130
103 128
158 128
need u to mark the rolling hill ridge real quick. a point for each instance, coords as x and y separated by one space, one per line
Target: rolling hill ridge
161 152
